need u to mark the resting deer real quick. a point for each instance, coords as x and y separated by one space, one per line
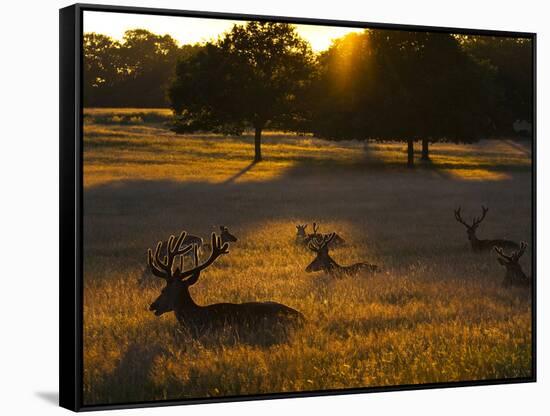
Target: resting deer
514 273
303 238
226 236
301 235
255 319
323 261
481 245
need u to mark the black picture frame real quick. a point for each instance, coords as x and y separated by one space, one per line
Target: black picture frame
71 202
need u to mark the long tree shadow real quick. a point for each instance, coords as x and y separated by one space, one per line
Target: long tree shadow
240 173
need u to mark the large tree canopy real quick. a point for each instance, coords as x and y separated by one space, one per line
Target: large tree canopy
251 77
397 85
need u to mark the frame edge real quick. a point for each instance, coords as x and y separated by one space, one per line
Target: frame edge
69 286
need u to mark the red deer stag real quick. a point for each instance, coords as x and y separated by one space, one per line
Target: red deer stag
514 273
477 244
260 321
323 261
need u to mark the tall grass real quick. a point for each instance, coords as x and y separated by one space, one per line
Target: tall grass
435 313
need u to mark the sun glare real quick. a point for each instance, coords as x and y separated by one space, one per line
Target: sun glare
190 30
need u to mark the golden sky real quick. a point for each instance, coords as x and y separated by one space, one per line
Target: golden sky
192 30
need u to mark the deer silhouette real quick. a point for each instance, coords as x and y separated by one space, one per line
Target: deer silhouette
324 262
514 273
226 236
301 235
269 320
477 244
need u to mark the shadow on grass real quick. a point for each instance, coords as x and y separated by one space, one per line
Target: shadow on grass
240 173
130 378
123 218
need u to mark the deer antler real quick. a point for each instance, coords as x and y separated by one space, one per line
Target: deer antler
500 252
519 253
163 267
458 217
313 246
217 250
318 244
327 239
315 228
515 256
195 255
477 220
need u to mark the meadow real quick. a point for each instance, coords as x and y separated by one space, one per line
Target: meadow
436 312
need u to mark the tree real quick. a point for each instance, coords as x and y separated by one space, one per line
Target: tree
397 85
511 60
252 76
100 69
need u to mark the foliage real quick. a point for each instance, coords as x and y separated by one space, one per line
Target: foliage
132 73
512 62
250 77
397 85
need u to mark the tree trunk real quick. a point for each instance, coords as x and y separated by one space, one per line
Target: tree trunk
425 149
410 154
258 144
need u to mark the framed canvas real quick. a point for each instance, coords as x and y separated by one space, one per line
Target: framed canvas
257 207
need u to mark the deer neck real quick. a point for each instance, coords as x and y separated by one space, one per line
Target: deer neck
186 309
518 275
474 241
331 265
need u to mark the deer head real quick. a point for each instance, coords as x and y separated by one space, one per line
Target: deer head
178 280
301 230
226 236
514 272
471 228
320 246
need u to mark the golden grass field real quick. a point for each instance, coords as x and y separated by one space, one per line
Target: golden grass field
435 313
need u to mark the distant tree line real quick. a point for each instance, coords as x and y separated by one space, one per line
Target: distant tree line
384 85
135 72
